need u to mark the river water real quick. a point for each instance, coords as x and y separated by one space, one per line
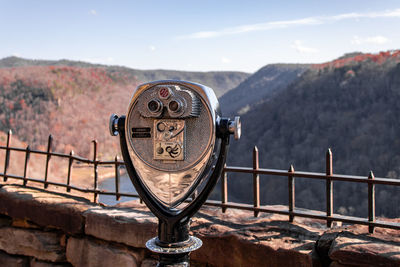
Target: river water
125 186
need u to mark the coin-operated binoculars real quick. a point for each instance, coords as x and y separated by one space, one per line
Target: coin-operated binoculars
174 143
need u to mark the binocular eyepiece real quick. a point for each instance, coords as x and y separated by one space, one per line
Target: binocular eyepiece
166 101
154 105
174 106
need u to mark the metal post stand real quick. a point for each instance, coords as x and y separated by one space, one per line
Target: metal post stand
172 251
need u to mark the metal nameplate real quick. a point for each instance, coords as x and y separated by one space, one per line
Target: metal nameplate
169 140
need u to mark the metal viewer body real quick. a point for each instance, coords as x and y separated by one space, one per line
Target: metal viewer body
169 139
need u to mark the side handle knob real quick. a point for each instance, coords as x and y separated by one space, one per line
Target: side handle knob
235 128
113 125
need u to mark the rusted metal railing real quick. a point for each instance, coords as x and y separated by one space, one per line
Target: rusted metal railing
224 204
71 159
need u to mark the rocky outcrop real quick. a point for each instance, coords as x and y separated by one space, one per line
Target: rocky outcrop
15 261
83 252
39 244
37 263
124 225
354 246
93 235
59 210
238 239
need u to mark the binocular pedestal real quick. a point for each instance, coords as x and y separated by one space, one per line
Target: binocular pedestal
178 144
173 247
174 254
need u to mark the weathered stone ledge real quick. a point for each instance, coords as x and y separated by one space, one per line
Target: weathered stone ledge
56 210
39 228
42 245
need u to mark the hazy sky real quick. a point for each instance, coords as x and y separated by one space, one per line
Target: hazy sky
197 35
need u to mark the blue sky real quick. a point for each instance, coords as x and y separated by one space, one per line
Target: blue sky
197 35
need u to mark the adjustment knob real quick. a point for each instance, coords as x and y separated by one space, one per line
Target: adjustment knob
113 125
161 127
235 128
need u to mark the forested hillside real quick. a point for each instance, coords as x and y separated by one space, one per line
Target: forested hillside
74 100
351 105
220 81
71 103
260 86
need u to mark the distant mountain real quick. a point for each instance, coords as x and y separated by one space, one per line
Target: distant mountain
74 100
351 105
260 86
219 81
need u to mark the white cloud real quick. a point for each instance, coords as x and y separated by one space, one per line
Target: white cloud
298 45
202 35
395 13
225 60
152 48
377 40
93 12
251 28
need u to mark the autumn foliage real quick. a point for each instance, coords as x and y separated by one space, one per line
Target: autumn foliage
71 103
379 58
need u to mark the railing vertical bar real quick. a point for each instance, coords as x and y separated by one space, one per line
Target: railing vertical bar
371 202
256 182
224 189
95 169
27 156
329 187
70 161
292 199
48 156
7 157
117 179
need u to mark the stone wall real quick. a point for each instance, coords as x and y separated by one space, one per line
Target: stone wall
39 228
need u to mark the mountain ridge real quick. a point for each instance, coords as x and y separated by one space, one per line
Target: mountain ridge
260 86
74 103
220 81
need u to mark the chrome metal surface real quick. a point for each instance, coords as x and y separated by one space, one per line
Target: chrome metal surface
235 128
191 245
170 188
113 125
171 147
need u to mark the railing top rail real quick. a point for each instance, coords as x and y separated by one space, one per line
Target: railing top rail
315 175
